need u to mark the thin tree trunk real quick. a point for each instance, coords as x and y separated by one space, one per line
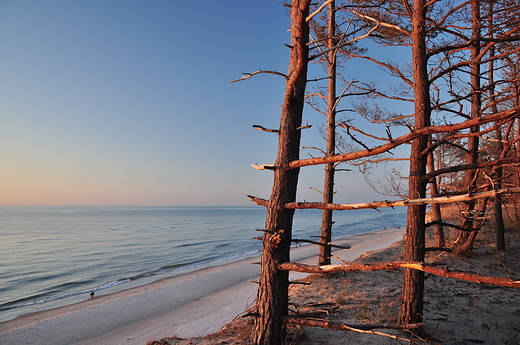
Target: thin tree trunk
413 281
438 232
464 243
497 203
499 223
272 297
328 185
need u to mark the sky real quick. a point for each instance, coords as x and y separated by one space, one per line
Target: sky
127 102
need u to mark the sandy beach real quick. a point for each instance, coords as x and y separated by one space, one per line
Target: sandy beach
188 305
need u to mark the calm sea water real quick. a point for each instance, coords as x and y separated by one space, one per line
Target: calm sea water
50 253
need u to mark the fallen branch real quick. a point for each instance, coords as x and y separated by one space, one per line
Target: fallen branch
387 266
360 328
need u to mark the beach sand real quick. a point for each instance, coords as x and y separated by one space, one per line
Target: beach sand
188 305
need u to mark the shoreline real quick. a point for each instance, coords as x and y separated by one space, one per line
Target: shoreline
124 284
187 305
74 297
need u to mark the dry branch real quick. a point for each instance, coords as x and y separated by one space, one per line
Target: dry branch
348 267
263 166
438 222
462 167
386 266
262 128
249 75
344 44
306 126
403 139
378 22
396 203
258 201
318 10
388 203
354 328
320 244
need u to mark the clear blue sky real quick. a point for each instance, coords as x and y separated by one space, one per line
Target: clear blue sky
124 102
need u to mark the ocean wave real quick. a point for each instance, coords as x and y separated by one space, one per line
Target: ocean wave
150 243
39 299
206 262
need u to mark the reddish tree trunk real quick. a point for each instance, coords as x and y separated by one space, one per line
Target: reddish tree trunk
413 281
497 203
328 185
272 298
464 243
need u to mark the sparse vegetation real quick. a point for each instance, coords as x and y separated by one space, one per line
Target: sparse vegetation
453 309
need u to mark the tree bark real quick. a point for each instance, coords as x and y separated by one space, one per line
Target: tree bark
464 243
328 184
272 297
413 281
497 203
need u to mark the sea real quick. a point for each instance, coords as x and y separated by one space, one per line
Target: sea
57 255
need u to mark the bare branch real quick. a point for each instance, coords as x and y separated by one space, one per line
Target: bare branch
318 10
249 75
349 127
403 139
463 167
388 66
372 161
399 203
387 266
261 128
342 93
313 148
343 44
258 201
317 190
304 127
263 167
438 222
354 328
296 240
391 26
